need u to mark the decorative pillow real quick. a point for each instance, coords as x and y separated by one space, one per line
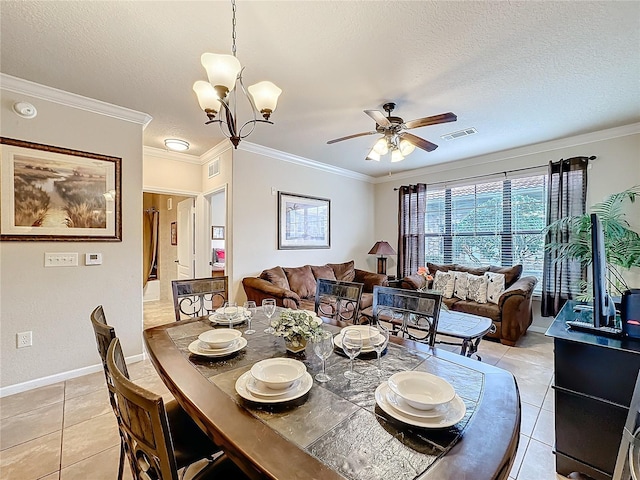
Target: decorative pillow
511 274
443 282
324 271
276 276
477 288
461 285
301 281
344 271
495 286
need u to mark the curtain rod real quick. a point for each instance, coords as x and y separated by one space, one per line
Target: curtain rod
593 157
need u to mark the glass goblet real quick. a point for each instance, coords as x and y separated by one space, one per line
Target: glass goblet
351 345
379 341
249 312
323 347
269 308
230 312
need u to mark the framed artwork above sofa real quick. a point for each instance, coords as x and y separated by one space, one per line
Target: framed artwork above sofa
303 222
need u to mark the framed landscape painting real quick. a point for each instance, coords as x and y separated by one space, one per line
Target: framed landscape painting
56 194
303 222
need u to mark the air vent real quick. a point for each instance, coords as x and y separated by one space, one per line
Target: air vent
214 167
460 133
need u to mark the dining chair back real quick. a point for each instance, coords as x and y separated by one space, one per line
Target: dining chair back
411 313
198 297
338 300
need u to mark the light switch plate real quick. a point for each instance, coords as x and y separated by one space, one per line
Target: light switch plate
93 259
61 259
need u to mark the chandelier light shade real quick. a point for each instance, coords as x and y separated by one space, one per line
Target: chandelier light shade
224 73
382 248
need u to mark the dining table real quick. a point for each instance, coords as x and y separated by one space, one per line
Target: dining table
339 429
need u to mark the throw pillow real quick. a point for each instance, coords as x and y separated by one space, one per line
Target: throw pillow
461 285
276 276
477 288
443 282
495 286
344 271
301 281
324 271
511 274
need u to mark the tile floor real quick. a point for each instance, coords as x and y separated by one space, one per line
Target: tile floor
67 431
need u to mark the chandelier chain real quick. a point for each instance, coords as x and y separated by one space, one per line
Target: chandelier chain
233 27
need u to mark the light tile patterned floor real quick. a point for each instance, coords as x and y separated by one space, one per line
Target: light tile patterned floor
67 431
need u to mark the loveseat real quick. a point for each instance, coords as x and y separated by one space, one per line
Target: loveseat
511 314
296 287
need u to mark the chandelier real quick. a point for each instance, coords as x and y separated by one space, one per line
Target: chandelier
224 73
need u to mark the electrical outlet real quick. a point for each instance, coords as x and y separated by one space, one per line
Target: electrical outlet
24 339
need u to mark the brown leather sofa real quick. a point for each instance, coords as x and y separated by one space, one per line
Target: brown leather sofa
511 316
296 287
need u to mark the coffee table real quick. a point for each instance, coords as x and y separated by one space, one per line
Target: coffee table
465 326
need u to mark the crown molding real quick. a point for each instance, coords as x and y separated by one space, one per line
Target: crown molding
25 87
216 151
291 158
175 156
543 147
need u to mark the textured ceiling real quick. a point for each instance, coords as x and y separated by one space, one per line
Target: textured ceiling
519 72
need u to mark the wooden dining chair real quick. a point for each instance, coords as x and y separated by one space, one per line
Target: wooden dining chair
190 443
411 314
198 297
151 442
338 300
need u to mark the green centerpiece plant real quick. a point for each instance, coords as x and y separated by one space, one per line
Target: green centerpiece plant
296 327
622 244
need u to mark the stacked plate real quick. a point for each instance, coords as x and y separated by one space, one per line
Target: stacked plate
274 380
219 318
367 333
218 343
420 399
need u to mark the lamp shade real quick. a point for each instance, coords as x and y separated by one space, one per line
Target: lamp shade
406 147
373 155
396 156
265 96
207 97
381 147
222 70
382 248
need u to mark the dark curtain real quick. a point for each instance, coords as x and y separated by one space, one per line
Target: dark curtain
566 197
411 211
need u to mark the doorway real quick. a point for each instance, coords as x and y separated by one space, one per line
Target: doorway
219 233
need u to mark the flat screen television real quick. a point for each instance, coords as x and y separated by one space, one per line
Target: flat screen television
604 310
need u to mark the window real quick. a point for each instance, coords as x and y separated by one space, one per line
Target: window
497 223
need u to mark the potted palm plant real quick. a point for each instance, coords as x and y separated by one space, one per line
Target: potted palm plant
622 244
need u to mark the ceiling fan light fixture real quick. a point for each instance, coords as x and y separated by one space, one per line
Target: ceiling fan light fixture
396 156
382 146
373 155
406 147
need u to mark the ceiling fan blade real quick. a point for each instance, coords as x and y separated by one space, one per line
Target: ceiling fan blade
433 120
350 136
419 142
379 117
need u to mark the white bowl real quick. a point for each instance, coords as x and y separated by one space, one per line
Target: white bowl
278 373
421 390
366 333
219 338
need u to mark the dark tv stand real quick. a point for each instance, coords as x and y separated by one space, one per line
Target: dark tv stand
594 379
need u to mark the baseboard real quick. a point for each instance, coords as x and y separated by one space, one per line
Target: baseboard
60 377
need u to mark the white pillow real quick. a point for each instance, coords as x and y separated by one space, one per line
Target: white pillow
461 285
495 286
443 282
477 288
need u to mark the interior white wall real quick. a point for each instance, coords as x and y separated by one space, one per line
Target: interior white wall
616 168
55 303
255 216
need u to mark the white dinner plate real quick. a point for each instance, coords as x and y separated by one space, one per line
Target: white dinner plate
196 348
298 389
402 406
258 388
337 341
455 411
222 320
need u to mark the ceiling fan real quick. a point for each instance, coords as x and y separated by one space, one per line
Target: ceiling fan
395 137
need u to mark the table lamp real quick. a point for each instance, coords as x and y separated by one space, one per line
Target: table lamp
382 248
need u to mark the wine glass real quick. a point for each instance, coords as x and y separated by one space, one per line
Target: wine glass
230 312
269 308
379 341
249 312
352 345
322 347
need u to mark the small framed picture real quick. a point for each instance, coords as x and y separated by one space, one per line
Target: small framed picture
174 233
217 233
